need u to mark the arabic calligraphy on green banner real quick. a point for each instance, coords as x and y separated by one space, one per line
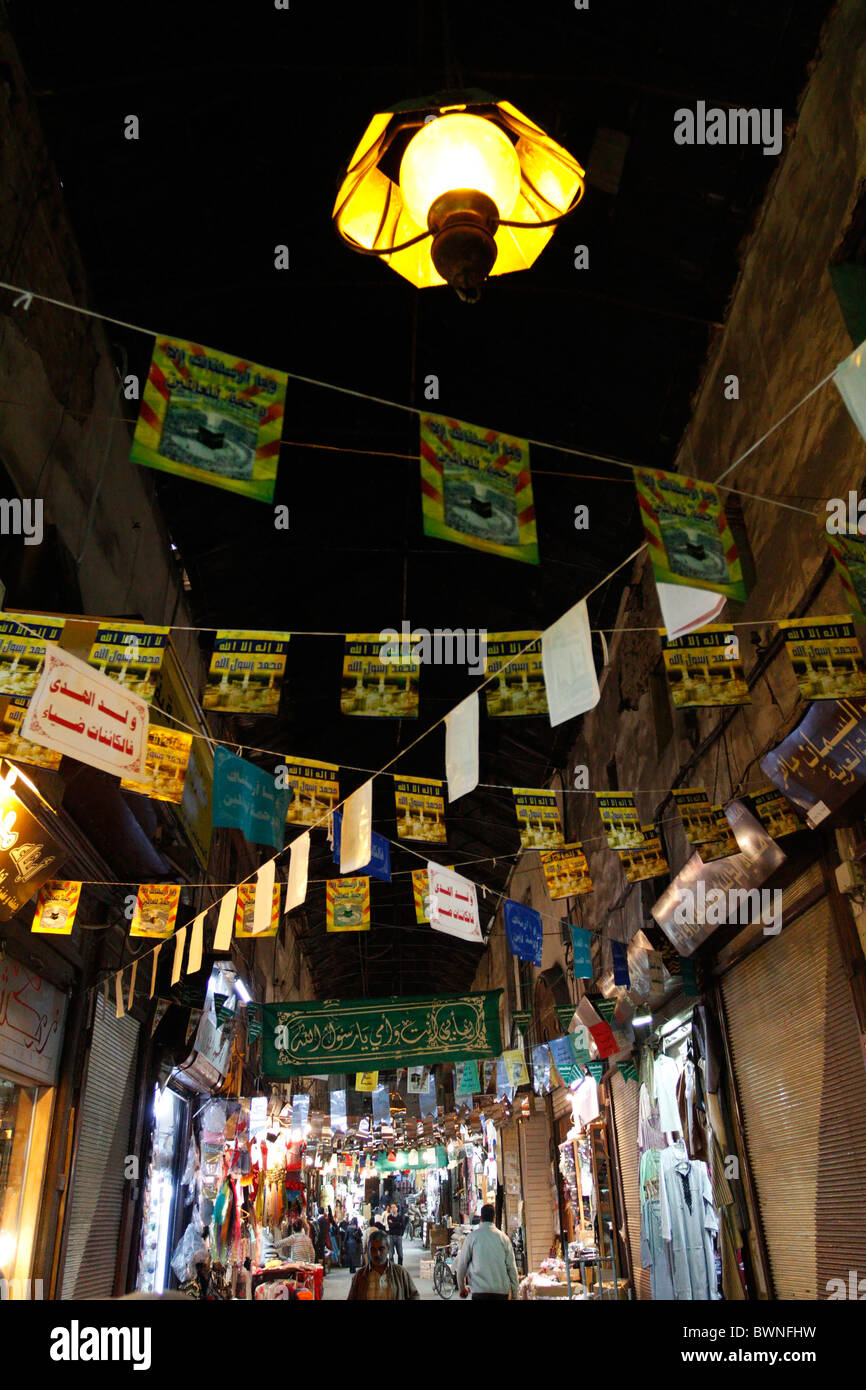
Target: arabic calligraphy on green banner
344 1035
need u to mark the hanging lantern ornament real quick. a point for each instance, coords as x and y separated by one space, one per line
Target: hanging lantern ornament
454 188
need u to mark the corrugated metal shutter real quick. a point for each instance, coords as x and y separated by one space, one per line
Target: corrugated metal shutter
625 1109
539 1188
98 1186
802 1087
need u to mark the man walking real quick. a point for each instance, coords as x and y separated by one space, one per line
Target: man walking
379 1278
486 1262
396 1227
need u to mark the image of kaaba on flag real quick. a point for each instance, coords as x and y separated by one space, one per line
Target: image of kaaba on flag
211 417
688 537
476 488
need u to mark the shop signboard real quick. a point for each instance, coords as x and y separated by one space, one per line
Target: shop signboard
32 1015
339 1035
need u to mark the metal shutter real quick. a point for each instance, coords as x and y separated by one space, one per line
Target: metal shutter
539 1188
625 1110
98 1185
802 1087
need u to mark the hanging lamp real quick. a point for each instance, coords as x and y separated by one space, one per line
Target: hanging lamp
455 188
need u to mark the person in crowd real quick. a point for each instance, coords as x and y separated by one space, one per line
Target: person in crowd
353 1244
298 1245
380 1278
486 1265
333 1237
396 1227
324 1225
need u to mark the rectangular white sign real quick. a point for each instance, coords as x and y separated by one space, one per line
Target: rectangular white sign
78 711
453 904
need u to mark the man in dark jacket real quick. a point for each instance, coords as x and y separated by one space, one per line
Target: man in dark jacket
353 1244
380 1279
396 1227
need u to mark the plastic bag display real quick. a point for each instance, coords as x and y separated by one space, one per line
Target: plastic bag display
191 1250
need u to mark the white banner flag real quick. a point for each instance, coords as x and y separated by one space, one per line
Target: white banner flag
569 670
226 921
299 864
453 904
78 711
461 748
356 836
685 610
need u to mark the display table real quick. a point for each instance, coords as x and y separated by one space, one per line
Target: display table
309 1276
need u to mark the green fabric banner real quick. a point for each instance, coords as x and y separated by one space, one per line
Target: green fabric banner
344 1035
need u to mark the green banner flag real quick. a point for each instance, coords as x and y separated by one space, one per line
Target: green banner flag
522 1017
595 1070
344 1035
605 1008
628 1070
565 1013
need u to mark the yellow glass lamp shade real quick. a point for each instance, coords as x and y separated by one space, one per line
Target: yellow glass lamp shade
455 192
459 152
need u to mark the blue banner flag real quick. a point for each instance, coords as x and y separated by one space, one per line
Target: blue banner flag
620 964
582 941
524 930
246 798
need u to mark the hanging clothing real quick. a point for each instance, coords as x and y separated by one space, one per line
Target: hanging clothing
649 1133
655 1251
693 1120
688 1223
666 1075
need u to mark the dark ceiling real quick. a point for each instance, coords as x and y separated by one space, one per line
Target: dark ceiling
247 114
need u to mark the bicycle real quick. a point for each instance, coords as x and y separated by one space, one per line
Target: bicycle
444 1278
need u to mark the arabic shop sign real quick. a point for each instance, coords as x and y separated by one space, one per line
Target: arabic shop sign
77 711
32 1013
28 854
341 1035
246 798
823 761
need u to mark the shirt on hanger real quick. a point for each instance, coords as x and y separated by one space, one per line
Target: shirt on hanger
666 1075
584 1101
688 1222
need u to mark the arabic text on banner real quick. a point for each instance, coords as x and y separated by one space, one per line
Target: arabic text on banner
620 819
246 672
80 712
56 907
166 762
12 745
826 657
340 1035
467 1080
155 910
131 654
774 812
566 871
316 788
211 417
519 689
822 762
453 904
705 668
688 537
524 930
515 1067
722 844
245 913
420 809
696 812
538 818
476 488
22 650
421 894
647 860
381 689
581 940
246 798
348 904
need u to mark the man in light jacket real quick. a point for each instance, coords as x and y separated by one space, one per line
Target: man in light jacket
486 1262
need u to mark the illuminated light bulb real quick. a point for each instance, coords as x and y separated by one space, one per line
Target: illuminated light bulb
459 152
